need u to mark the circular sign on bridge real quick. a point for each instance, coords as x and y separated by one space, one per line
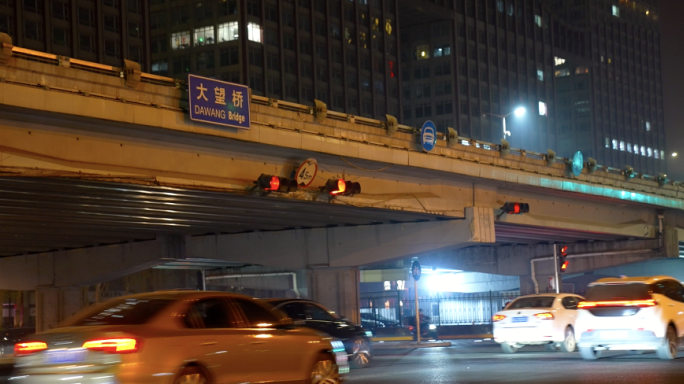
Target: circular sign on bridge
415 270
306 173
577 163
428 136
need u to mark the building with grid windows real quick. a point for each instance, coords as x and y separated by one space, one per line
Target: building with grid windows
103 31
341 52
586 71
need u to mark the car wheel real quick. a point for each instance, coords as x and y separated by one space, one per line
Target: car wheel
361 355
590 353
509 348
325 371
569 344
668 351
191 375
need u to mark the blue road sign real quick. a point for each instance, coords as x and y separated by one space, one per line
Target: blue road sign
218 102
577 163
428 136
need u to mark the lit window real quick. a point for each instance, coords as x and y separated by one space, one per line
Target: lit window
648 126
542 108
636 149
656 154
649 151
254 32
160 67
616 11
204 35
662 155
447 50
622 145
228 31
388 286
563 72
558 61
423 52
180 40
629 147
538 20
643 151
607 142
540 75
581 70
438 52
615 144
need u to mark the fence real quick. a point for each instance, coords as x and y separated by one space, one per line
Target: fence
453 309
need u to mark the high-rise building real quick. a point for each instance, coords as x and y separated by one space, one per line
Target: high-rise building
341 52
466 64
587 72
611 100
103 31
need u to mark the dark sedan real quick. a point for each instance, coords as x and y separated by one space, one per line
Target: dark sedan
313 315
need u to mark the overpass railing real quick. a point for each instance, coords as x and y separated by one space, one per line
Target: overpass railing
108 70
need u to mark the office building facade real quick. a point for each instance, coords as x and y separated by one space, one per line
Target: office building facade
586 71
103 31
341 52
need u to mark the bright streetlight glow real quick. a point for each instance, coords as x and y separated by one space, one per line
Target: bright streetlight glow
674 154
520 111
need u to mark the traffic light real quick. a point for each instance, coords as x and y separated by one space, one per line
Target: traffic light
563 258
515 208
275 183
336 187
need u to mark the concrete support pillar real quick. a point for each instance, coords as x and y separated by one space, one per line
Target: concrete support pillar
53 305
337 289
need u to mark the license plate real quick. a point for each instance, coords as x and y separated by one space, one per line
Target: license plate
614 334
62 356
522 319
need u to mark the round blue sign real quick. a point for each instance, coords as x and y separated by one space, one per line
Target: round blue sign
428 136
577 163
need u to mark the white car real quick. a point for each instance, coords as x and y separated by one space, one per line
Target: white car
631 314
545 319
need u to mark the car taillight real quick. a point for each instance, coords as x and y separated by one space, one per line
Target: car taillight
116 345
619 303
496 318
27 348
544 316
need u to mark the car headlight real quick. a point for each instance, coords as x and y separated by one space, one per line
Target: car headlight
369 334
433 327
337 346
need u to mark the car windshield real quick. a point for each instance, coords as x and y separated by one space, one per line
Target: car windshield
532 302
120 312
628 291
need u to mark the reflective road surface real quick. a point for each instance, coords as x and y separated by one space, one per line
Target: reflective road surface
483 362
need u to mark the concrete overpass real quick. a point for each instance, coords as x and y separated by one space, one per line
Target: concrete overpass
102 167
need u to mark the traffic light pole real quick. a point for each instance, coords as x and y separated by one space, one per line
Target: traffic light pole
555 263
415 290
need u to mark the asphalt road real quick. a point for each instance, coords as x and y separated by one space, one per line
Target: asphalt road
483 362
468 361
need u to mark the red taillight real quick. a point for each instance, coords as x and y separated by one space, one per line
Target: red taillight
117 345
544 316
29 347
621 303
496 318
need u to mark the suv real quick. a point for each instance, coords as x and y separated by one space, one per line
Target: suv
633 314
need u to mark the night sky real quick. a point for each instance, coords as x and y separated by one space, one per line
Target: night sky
672 50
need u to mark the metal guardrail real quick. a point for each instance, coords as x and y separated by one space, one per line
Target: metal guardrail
108 70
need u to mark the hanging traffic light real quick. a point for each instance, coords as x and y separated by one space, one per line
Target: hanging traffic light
336 187
563 258
276 184
515 208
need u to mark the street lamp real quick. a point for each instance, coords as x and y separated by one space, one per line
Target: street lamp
674 154
520 111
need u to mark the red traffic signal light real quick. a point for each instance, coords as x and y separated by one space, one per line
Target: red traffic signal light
564 266
341 187
564 250
275 183
515 208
